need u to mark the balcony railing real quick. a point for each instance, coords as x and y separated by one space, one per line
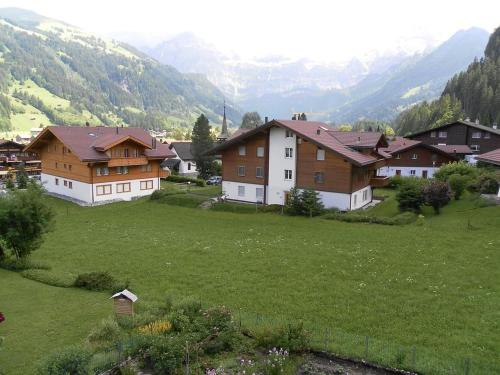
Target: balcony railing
124 162
379 181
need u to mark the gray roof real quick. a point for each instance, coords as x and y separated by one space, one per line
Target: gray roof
183 150
463 122
127 294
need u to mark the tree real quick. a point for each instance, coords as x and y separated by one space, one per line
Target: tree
303 117
437 194
202 142
22 178
461 168
9 183
24 218
410 196
458 183
345 128
251 120
304 202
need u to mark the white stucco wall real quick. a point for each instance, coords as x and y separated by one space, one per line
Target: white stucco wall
277 185
357 200
184 168
230 189
83 192
335 200
406 171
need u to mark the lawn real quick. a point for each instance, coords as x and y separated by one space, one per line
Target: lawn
432 286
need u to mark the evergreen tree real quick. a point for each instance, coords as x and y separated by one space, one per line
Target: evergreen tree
202 141
251 120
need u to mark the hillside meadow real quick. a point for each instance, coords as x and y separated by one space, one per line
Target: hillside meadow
423 295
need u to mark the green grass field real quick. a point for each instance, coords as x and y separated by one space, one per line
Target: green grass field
433 286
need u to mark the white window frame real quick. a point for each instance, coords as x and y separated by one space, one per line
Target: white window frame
443 134
288 152
474 147
433 134
123 187
241 191
398 156
413 172
146 185
487 135
414 156
288 134
320 154
260 151
103 190
257 173
241 168
476 135
288 175
259 193
242 150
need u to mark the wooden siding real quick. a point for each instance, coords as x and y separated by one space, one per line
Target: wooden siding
337 171
425 158
231 160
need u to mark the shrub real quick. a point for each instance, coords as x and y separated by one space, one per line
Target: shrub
486 183
190 306
410 196
395 182
99 281
106 331
195 181
21 264
49 277
159 195
293 337
166 353
457 184
459 167
218 326
101 362
304 202
437 194
72 360
400 219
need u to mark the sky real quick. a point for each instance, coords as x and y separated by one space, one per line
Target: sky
328 30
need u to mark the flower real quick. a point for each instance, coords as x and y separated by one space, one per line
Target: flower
2 317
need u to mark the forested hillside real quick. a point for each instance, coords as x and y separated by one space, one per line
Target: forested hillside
53 73
474 93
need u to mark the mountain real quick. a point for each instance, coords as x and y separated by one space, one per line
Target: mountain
377 87
51 72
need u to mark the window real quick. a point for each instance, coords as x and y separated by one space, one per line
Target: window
443 134
486 135
70 184
259 194
102 171
398 156
413 172
70 166
288 152
121 170
147 185
125 153
398 172
189 166
320 154
476 135
242 150
103 190
433 134
319 177
259 172
146 168
414 156
57 165
288 134
474 147
365 195
65 183
288 174
355 199
260 152
123 187
57 181
241 170
241 191
65 167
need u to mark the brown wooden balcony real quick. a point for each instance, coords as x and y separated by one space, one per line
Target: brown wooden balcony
379 181
125 162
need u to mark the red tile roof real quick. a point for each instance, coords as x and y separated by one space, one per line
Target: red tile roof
357 139
316 132
399 144
88 143
454 149
492 157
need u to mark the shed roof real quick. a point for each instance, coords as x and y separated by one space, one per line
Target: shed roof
127 294
492 157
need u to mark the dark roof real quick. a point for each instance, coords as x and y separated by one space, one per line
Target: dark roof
492 157
400 144
89 143
463 122
454 149
9 143
316 132
183 150
170 163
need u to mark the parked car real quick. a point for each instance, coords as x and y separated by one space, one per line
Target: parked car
214 180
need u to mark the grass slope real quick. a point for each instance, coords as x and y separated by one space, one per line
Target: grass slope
434 286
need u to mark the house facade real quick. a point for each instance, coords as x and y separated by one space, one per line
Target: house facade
93 165
183 163
13 158
412 158
265 163
477 137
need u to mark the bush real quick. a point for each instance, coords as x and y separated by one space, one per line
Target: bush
72 360
99 281
437 194
196 181
13 264
410 196
104 361
400 219
159 195
218 326
183 200
49 277
304 202
486 183
457 184
395 182
105 332
461 168
242 208
293 337
190 306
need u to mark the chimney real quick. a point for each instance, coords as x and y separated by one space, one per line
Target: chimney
153 143
266 119
318 131
477 121
87 124
117 130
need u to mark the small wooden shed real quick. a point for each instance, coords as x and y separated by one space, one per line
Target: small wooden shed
124 302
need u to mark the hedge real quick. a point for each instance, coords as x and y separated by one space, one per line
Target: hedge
196 181
401 219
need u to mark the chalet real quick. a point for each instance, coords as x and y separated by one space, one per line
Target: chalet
183 162
13 158
264 163
414 158
93 165
477 137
